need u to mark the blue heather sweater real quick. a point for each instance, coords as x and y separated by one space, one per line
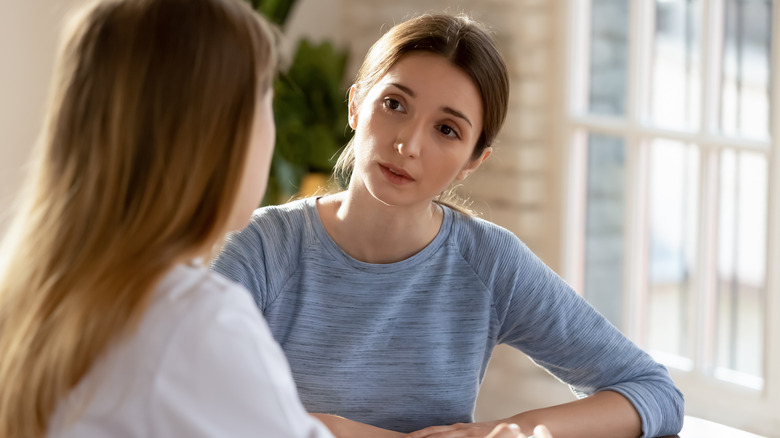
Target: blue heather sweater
405 345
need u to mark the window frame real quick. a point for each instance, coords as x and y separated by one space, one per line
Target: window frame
706 396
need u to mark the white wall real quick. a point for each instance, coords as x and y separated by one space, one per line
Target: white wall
29 31
317 20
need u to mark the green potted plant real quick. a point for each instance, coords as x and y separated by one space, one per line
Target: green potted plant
310 108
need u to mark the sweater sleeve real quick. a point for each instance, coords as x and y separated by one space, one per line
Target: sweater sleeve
261 256
241 260
542 316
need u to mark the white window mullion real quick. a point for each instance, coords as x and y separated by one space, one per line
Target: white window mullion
578 56
637 239
577 194
635 222
703 321
575 141
608 125
641 31
712 52
771 344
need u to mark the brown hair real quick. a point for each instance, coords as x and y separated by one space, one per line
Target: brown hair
137 169
462 41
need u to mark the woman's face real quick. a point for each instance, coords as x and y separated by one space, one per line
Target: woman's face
258 162
415 130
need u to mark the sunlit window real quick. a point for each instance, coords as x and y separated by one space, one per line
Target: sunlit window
670 141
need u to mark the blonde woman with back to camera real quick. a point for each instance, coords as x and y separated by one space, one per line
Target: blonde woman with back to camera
157 141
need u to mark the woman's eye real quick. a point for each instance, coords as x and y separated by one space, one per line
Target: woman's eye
393 104
448 131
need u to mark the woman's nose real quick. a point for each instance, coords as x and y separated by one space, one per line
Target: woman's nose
409 141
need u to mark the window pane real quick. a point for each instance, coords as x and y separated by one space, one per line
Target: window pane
747 33
608 57
604 225
676 66
741 264
673 225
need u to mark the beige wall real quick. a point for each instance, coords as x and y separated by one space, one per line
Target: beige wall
29 31
317 20
28 40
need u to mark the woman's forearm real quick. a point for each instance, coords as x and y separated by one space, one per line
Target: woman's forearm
342 427
606 413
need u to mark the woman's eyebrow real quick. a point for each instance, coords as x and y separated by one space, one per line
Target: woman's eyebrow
457 113
446 109
403 88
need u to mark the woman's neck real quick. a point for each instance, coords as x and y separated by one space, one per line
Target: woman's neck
373 232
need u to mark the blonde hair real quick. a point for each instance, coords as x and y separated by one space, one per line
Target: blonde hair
137 169
468 46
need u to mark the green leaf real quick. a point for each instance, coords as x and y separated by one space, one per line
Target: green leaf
310 110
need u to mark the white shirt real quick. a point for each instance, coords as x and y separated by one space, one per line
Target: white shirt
201 364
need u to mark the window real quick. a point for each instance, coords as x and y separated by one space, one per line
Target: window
672 137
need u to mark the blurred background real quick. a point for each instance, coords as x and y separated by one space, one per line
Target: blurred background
639 160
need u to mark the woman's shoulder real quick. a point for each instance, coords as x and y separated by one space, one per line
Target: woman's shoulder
200 335
474 234
197 293
283 216
187 304
494 253
275 228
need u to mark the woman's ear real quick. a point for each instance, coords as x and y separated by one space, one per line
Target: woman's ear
474 164
353 107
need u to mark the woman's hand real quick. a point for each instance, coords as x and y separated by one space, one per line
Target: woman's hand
488 429
460 430
342 427
505 430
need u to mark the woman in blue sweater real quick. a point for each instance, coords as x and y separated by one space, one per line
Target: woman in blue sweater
388 301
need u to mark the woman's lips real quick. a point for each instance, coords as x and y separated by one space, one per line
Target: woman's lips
395 175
